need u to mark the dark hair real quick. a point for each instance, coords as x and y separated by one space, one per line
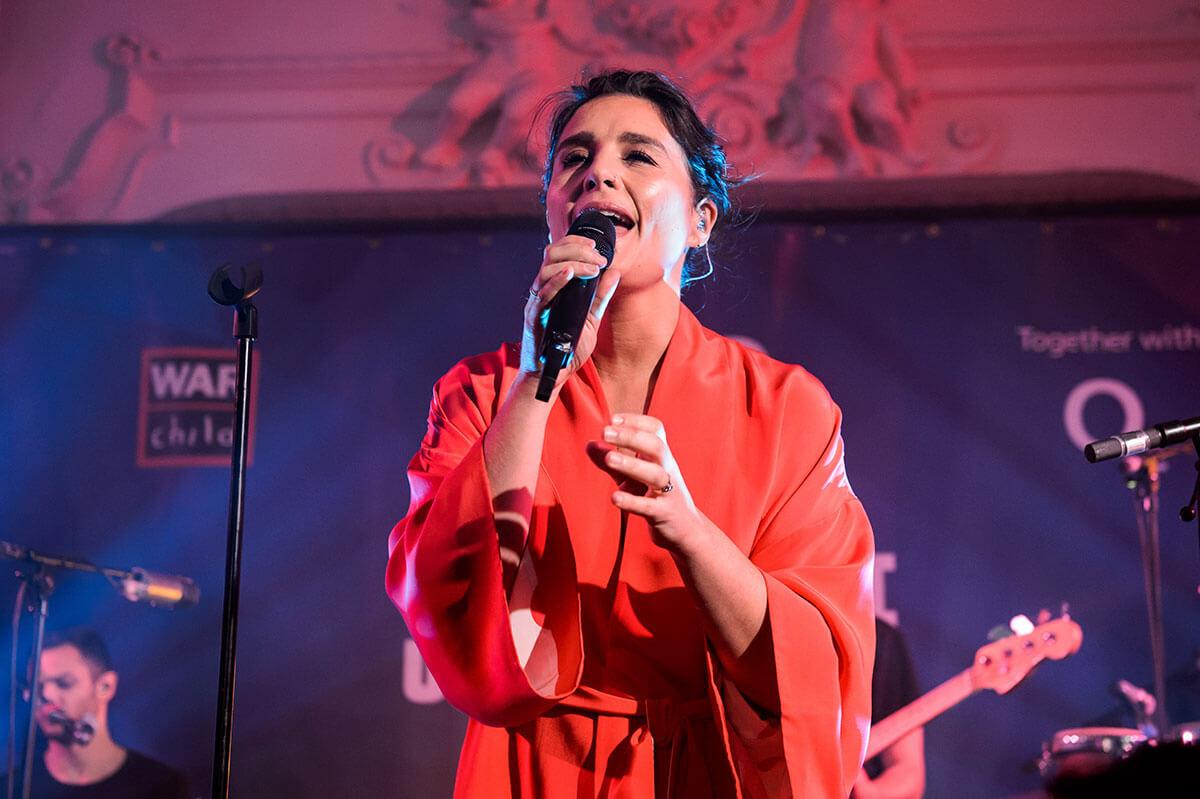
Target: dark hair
90 645
712 177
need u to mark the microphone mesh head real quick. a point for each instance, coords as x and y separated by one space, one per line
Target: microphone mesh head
600 229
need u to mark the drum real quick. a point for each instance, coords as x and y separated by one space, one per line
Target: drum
1188 733
1083 751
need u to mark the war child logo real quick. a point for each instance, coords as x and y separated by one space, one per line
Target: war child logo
185 407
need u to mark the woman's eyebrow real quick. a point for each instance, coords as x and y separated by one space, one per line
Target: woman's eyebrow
587 139
581 139
642 139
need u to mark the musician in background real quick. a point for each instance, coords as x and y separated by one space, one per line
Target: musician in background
897 772
77 683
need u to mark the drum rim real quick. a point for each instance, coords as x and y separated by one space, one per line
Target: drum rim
1118 741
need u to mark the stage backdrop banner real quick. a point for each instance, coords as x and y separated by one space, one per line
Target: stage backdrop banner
972 359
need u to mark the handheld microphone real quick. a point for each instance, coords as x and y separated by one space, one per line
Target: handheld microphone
80 732
1138 441
569 308
160 590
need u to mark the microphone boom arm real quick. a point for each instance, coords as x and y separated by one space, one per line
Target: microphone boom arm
135 583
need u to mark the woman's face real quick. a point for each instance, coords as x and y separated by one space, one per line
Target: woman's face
618 156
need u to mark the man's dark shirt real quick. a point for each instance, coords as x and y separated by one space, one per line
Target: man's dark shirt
893 684
139 777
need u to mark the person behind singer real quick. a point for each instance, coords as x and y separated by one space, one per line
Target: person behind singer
613 584
81 760
897 772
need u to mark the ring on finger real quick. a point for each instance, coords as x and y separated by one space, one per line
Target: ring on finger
668 488
533 294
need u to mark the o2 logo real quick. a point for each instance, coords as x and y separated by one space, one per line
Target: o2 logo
1082 394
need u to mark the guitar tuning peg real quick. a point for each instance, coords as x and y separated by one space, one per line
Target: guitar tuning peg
1043 616
1064 609
998 633
1020 624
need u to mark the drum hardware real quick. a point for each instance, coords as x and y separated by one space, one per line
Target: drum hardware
1083 751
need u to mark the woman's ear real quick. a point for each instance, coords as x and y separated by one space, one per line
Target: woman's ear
705 218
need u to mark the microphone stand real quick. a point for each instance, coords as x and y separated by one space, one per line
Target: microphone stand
245 329
1143 479
1142 476
40 585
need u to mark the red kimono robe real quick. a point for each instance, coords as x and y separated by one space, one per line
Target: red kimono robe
594 678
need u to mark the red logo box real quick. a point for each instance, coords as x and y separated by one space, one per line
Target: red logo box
186 407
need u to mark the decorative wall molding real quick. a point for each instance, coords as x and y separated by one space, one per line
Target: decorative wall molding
307 72
805 93
993 50
19 179
102 166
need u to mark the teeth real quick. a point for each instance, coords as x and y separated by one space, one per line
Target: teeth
615 217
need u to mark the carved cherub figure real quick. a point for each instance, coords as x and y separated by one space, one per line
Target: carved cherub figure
854 87
527 46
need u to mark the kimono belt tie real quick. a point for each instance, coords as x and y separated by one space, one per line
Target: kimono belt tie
623 723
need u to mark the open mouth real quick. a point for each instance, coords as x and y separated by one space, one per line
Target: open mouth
619 218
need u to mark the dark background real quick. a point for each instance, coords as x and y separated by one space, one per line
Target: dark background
955 442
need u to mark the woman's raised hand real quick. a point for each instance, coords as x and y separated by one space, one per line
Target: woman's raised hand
654 487
569 257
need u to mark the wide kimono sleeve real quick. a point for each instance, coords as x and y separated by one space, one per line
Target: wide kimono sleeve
501 659
815 548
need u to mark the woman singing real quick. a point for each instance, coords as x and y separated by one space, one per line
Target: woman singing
658 583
